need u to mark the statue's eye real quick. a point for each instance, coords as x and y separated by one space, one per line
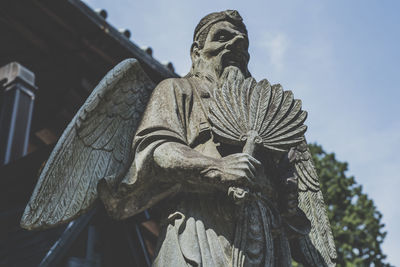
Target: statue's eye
222 36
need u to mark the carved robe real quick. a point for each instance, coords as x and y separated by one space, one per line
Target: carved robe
202 226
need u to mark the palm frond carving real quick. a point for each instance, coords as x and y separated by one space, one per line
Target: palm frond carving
256 114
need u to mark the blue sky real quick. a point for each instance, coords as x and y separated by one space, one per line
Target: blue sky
341 58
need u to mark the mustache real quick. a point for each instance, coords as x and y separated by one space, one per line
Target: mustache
238 59
235 56
236 53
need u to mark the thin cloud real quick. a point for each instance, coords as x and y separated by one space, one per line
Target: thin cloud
275 46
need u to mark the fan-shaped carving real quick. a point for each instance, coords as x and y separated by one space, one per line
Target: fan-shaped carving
257 113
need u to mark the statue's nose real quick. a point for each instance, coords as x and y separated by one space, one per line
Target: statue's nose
237 43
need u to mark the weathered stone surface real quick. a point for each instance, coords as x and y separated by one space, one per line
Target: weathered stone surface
225 152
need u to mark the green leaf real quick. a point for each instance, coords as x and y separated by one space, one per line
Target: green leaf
355 220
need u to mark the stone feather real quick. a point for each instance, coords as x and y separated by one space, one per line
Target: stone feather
96 144
319 247
240 107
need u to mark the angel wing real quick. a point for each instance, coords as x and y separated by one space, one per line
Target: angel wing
95 144
318 248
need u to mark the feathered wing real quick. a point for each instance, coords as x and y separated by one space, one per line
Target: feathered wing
96 144
318 248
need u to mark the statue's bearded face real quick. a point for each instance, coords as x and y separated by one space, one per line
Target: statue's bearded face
226 45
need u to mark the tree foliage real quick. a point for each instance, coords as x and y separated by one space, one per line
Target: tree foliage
355 221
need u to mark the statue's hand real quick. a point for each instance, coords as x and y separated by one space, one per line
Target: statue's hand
234 170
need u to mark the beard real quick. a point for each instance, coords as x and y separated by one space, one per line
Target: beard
219 70
234 59
231 74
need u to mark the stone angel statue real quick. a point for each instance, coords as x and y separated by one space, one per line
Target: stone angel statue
224 155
